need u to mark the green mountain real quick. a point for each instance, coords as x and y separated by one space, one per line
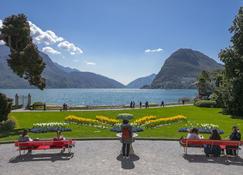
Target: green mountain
181 69
141 82
56 76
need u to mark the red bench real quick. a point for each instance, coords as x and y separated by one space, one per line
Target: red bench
44 145
185 143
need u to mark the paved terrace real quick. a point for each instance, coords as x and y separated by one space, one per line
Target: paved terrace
102 157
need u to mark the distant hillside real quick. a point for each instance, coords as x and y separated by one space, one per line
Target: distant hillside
181 69
141 82
56 76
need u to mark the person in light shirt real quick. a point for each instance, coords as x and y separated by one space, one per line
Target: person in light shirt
193 134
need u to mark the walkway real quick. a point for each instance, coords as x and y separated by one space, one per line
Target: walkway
102 158
103 109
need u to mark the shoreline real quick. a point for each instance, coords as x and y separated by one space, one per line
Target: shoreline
58 108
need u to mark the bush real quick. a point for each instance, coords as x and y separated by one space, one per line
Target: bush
7 125
38 105
205 103
5 107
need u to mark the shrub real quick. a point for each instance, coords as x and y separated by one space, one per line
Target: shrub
5 107
7 125
205 103
38 105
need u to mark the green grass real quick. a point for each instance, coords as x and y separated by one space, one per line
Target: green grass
193 114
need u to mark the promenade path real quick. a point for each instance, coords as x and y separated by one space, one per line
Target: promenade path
102 158
103 109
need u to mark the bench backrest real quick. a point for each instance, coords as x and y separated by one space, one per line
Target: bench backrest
44 142
211 142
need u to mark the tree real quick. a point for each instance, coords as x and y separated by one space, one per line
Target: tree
24 58
204 85
233 59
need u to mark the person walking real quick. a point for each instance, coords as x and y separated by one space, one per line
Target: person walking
140 104
126 138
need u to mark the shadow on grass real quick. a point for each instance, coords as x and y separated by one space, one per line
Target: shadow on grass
42 157
238 161
231 116
128 163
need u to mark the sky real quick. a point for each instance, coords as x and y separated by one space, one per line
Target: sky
124 39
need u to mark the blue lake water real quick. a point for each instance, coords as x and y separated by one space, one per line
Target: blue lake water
102 96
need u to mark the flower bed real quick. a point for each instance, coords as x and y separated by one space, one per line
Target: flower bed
107 120
202 127
144 120
49 127
85 121
163 121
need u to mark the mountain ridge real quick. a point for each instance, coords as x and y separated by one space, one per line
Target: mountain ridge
181 69
56 76
141 82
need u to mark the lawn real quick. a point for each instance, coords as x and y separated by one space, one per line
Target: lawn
193 114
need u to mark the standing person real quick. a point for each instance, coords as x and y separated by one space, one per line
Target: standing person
146 104
140 104
126 138
131 104
213 149
235 135
162 104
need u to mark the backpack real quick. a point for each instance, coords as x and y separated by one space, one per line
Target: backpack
126 133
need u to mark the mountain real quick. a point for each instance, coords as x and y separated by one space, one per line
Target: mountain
56 76
66 69
141 82
181 69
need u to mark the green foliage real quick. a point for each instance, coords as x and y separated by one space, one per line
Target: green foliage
233 58
7 125
204 85
205 103
5 107
24 60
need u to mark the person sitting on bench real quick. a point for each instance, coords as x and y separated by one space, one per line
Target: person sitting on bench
215 150
60 137
193 134
25 138
235 135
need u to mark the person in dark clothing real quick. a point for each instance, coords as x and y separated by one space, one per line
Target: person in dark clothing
131 104
126 138
215 150
146 104
235 135
162 104
140 104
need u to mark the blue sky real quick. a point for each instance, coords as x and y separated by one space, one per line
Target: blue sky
125 39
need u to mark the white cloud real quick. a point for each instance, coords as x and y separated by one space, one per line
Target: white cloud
90 63
43 37
153 50
70 47
1 23
50 50
48 37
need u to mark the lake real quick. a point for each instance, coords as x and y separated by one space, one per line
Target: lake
101 96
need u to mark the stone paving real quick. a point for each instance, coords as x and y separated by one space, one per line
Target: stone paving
102 158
